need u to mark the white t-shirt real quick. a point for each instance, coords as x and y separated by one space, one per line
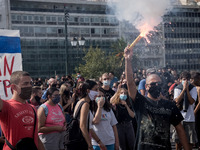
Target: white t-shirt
104 128
189 115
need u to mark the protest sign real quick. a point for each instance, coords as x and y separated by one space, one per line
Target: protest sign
10 60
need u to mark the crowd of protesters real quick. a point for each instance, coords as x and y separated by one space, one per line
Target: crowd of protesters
115 111
116 94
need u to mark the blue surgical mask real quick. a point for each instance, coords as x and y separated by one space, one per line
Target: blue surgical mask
98 99
184 82
56 100
123 97
106 82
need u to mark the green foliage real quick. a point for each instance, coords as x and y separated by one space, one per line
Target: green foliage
95 63
98 61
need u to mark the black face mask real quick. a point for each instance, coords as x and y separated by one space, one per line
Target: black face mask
53 85
154 91
37 98
25 93
66 92
124 86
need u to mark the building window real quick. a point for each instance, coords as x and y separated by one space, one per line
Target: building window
87 20
41 18
30 18
76 19
25 18
53 18
60 31
48 18
36 18
92 31
18 17
13 17
81 19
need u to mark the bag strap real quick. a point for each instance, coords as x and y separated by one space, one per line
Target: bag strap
8 143
78 109
88 121
34 122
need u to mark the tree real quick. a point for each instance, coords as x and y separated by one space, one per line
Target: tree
98 61
118 52
95 63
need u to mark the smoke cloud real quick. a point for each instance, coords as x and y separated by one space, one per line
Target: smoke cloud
143 14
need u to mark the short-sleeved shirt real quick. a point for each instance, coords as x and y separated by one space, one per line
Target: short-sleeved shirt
122 114
113 81
108 93
104 128
17 122
141 85
154 119
189 115
44 95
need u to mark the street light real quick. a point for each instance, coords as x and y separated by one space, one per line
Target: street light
78 42
74 42
66 15
81 41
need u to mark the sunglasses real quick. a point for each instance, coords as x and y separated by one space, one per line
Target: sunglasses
155 84
106 79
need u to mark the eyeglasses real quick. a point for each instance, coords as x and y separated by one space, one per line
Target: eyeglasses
155 84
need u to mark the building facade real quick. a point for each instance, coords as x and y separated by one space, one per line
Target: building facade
45 52
42 29
182 38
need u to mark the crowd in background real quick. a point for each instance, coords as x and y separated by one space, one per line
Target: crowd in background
69 92
107 117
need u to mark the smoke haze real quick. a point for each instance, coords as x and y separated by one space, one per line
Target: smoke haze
143 14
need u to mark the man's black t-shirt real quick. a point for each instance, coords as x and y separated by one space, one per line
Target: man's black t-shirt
108 93
154 119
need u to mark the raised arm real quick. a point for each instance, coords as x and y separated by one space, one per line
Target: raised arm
198 106
98 113
182 136
132 91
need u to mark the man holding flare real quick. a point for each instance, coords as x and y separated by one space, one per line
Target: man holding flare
154 115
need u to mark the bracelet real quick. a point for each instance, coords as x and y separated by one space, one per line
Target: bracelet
98 141
90 147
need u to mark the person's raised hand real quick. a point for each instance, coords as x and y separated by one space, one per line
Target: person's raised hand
128 53
101 102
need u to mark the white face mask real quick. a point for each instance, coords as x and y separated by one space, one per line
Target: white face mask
93 94
106 82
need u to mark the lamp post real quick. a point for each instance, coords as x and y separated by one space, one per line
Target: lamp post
78 42
66 15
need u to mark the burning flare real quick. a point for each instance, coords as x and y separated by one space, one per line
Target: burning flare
144 31
136 41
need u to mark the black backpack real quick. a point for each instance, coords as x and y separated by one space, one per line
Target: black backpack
73 132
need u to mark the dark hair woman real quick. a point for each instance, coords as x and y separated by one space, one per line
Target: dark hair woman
104 123
83 118
51 121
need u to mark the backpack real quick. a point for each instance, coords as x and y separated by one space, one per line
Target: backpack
73 133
